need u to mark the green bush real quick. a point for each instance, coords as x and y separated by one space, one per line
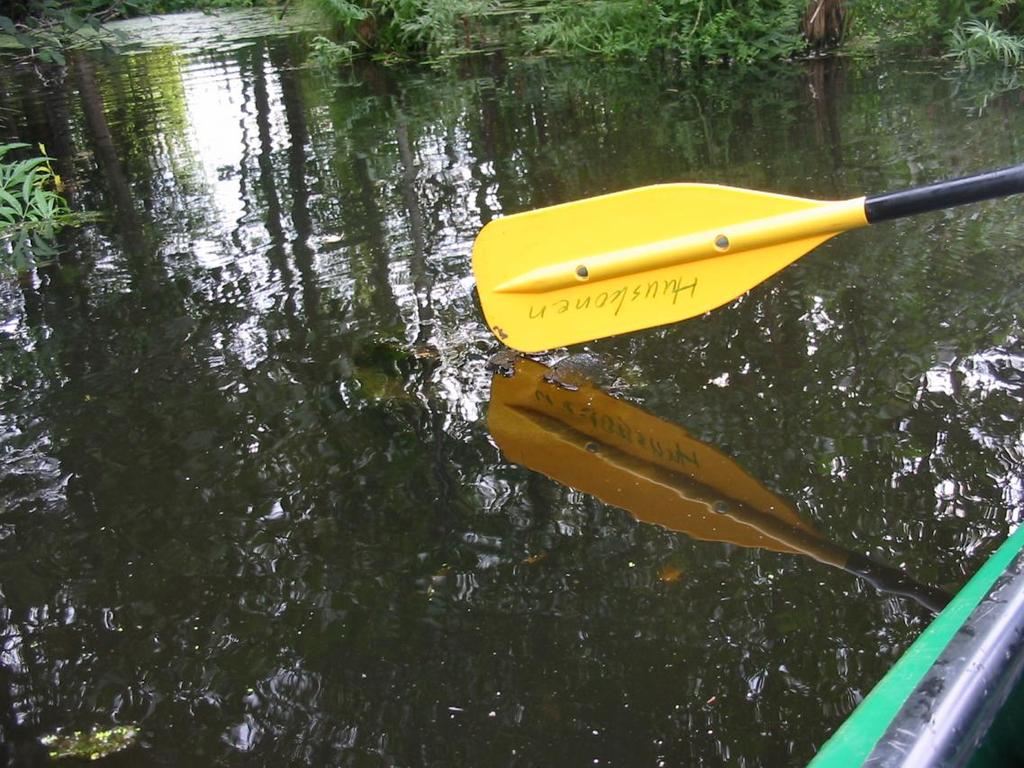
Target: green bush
929 24
693 30
408 27
746 32
612 28
704 30
437 26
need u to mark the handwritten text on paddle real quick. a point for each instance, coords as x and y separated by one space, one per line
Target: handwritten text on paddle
615 300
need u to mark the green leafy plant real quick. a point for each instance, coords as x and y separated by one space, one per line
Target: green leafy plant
402 28
975 42
328 54
44 29
345 13
747 34
690 30
610 28
31 209
439 26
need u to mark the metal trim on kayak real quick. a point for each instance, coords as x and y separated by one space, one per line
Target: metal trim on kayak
950 715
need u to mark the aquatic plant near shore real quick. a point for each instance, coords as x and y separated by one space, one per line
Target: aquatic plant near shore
327 53
975 42
32 210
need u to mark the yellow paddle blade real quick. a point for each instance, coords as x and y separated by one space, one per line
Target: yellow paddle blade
640 258
586 439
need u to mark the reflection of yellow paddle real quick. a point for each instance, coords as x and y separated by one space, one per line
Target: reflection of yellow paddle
661 254
586 439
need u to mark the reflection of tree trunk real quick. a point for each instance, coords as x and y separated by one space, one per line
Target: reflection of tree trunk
18 743
8 95
417 263
385 308
550 183
825 79
788 335
268 185
709 137
492 154
49 123
492 145
149 273
488 153
60 142
376 77
298 133
244 161
104 149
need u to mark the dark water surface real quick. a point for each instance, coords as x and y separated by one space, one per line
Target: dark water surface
250 499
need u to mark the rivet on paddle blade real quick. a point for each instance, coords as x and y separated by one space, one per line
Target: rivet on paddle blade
582 272
722 243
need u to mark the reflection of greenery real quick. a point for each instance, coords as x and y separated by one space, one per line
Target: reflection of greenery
982 86
157 82
241 467
31 209
92 745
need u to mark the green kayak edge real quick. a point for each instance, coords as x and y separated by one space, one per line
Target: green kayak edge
954 696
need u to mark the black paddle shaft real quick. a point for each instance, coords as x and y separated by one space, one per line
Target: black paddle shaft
945 194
